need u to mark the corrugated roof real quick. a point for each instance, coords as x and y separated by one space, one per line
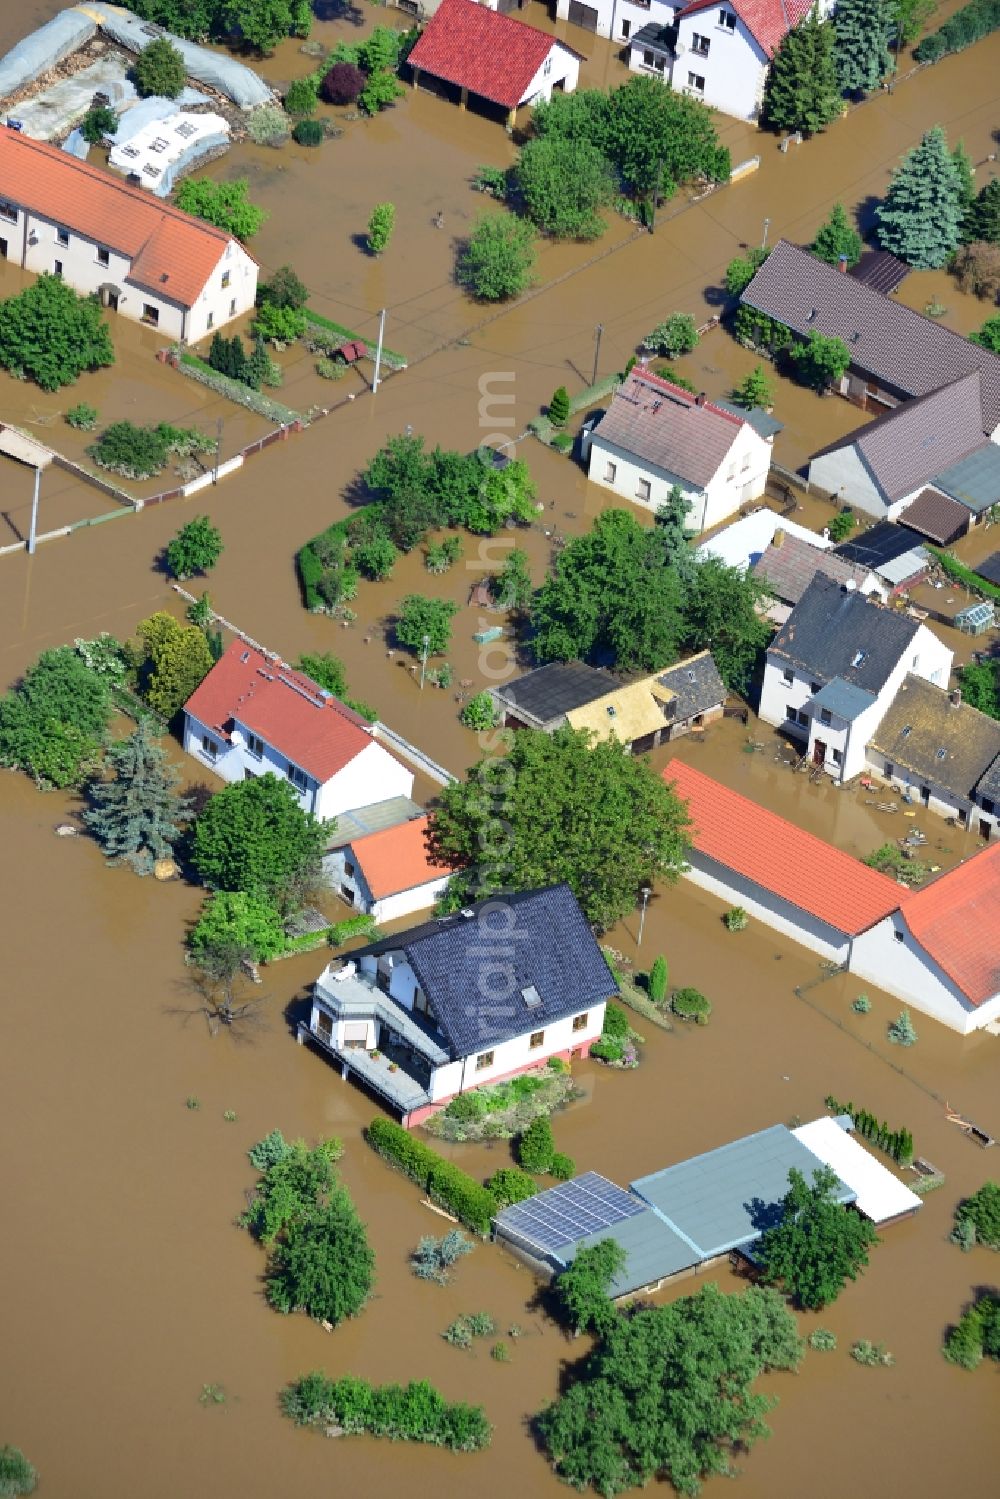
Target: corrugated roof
838 632
768 21
172 253
665 426
491 54
396 859
879 1195
903 349
936 516
781 858
956 919
789 566
947 744
975 480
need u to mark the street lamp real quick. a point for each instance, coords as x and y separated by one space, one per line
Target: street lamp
423 659
644 895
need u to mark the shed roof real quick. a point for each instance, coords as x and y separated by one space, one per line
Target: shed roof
763 423
903 349
652 1248
878 1194
990 569
956 918
844 699
396 858
790 564
372 819
975 479
549 692
781 858
629 712
670 428
880 544
695 684
491 54
936 516
837 632
946 744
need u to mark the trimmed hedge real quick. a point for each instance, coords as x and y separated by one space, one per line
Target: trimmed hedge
963 574
416 1412
473 1204
352 926
968 25
236 391
310 567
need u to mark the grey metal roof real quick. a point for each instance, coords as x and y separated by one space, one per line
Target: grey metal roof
937 516
763 423
938 741
990 569
532 939
906 567
550 692
904 350
837 632
790 564
727 1197
974 480
667 427
844 699
696 684
374 818
653 1249
659 38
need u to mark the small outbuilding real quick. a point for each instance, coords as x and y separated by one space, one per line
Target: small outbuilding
389 873
878 1194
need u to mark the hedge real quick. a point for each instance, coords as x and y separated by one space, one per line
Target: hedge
453 1189
236 391
416 1412
311 569
352 926
968 25
963 574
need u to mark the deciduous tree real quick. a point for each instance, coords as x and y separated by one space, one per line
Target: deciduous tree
722 613
423 620
977 269
176 659
53 722
583 1289
136 813
988 335
264 23
920 217
818 1246
231 918
196 548
380 227
801 92
565 184
821 361
254 836
50 335
982 220
343 83
224 204
159 69
324 1264
678 335
755 389
497 260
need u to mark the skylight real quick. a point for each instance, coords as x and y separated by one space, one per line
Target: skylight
611 710
860 657
532 998
907 731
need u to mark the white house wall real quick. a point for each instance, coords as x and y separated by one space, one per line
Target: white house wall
939 799
354 888
734 71
223 299
844 473
630 18
732 486
372 776
771 909
890 956
560 67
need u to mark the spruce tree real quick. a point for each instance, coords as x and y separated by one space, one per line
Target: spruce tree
755 389
837 237
920 217
965 176
802 92
559 406
862 28
135 815
258 366
983 218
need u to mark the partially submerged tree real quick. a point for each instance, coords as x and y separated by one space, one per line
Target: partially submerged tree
254 836
176 658
583 1290
380 227
498 258
425 624
136 813
343 83
837 238
801 92
678 335
224 204
564 184
818 1246
196 548
323 1265
982 218
53 722
232 919
920 217
51 335
861 30
755 389
17 1476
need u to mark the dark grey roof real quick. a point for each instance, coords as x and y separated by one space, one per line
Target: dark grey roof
990 569
725 1198
951 745
844 699
373 819
909 445
696 684
988 785
659 38
477 968
653 1251
763 423
881 543
974 480
937 516
836 632
790 564
880 270
903 349
552 691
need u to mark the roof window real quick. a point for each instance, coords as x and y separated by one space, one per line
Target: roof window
611 710
690 676
860 657
813 315
942 754
907 731
531 997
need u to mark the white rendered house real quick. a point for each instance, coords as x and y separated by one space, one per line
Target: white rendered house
463 1000
142 257
387 874
252 715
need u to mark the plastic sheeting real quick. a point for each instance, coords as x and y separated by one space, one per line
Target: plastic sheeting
75 145
51 113
230 77
35 54
158 168
145 111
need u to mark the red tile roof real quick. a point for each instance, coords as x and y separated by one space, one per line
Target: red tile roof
767 21
396 859
955 919
286 709
780 857
172 253
493 55
658 421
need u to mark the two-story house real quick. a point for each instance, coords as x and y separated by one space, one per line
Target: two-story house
252 714
834 668
465 999
655 436
141 256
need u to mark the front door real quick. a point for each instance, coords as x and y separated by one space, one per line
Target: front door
113 300
984 828
819 753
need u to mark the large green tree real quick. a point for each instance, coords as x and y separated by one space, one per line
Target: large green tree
818 1246
722 613
982 219
196 548
323 1265
159 70
136 813
425 623
921 215
51 335
560 808
53 722
565 184
254 836
980 681
801 91
669 1392
231 919
497 260
175 658
837 237
862 29
582 1290
224 204
659 139
264 23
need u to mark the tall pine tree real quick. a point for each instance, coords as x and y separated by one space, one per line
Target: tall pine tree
802 92
982 221
862 29
920 217
837 237
135 815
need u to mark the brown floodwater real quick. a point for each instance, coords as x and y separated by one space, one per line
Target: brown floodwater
128 1285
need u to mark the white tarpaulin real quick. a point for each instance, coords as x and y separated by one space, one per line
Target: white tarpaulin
161 148
35 54
230 77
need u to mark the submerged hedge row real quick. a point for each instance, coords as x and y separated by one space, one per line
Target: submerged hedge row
456 1190
416 1412
966 26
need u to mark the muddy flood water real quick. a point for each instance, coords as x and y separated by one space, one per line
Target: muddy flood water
127 1285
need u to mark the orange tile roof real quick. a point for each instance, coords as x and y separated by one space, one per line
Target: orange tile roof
955 919
780 857
172 253
396 859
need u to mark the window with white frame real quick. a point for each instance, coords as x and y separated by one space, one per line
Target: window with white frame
727 20
209 746
643 489
610 470
548 67
255 746
62 236
700 44
696 83
103 256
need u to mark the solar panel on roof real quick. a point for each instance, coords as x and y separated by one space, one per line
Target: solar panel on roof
570 1211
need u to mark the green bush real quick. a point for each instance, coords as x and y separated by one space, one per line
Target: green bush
736 919
902 1031
842 524
982 1210
307 133
415 1412
509 1185
434 1259
159 69
17 1476
479 712
302 95
269 1151
536 1147
351 926
454 1189
98 122
559 406
691 1005
658 980
83 417
961 29
823 1340
50 334
616 1026
862 1005
563 1167
607 1050
279 324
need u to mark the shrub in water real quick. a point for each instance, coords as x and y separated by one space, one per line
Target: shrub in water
83 417
301 97
563 1167
17 1476
308 133
982 1211
269 1151
736 919
871 1354
902 1031
607 1049
862 1004
536 1148
559 406
433 1259
500 1352
509 1185
691 1005
823 1340
616 1024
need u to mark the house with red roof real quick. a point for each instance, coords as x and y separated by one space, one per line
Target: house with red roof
491 60
388 873
252 715
938 952
140 255
656 435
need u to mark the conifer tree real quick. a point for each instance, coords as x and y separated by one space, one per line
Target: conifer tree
920 217
982 221
802 92
837 237
559 406
135 815
755 389
862 29
965 175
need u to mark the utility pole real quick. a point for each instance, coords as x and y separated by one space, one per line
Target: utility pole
423 660
656 189
378 351
33 530
767 225
218 450
645 893
597 351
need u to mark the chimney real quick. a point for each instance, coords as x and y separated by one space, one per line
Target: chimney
842 264
699 399
778 539
955 697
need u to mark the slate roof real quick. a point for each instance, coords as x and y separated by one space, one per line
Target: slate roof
780 857
974 480
789 567
837 632
395 859
546 944
664 425
493 55
696 686
955 919
936 516
171 253
906 447
293 715
988 785
725 1198
768 21
843 699
946 744
903 349
550 692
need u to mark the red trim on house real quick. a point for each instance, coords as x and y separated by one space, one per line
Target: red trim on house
579 1052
